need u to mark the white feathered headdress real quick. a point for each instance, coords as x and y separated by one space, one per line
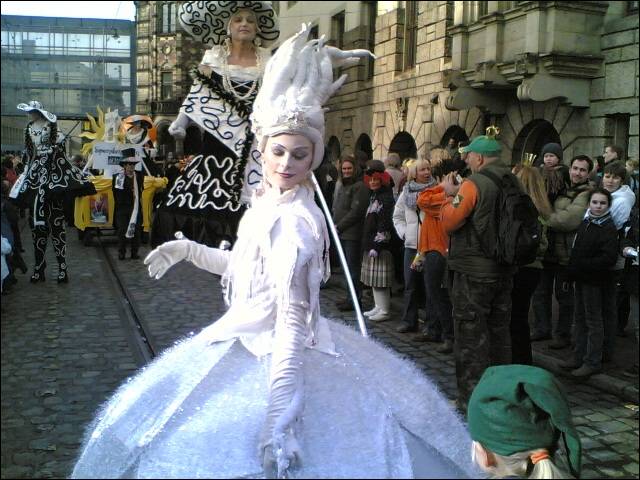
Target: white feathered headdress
298 81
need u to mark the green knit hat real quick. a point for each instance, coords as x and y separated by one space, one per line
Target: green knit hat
518 407
484 144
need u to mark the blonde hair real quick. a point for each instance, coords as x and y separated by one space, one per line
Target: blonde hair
533 185
516 464
438 155
413 166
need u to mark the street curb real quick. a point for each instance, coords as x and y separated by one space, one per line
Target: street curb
625 390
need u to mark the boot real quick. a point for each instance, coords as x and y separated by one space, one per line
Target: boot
382 300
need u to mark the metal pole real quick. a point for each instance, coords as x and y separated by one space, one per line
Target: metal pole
343 259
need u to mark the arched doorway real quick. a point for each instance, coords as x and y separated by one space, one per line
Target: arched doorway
193 141
363 144
533 136
457 133
333 150
404 145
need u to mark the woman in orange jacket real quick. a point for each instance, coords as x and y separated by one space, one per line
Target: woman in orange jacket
432 252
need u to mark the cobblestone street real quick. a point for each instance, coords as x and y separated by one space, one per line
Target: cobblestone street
65 348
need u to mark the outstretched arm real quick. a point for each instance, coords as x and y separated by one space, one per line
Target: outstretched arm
168 254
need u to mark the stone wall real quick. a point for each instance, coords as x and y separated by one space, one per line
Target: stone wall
615 92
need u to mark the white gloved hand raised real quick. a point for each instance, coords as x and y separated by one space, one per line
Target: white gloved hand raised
168 254
165 256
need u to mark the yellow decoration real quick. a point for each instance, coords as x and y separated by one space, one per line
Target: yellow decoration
97 132
528 159
82 213
493 131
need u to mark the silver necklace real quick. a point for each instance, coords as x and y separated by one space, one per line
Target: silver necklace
226 80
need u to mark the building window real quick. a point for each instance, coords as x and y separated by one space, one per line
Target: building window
291 4
632 8
167 17
618 128
166 89
477 10
410 46
337 29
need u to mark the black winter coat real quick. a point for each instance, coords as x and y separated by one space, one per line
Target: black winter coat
378 223
595 251
631 239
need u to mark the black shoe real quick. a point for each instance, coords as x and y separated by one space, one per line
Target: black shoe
63 277
406 328
121 255
537 337
134 256
559 344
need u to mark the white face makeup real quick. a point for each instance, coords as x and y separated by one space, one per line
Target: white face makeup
287 159
243 26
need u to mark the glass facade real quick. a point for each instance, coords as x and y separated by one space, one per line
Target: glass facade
70 65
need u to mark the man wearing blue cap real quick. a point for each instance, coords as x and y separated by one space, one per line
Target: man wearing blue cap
481 287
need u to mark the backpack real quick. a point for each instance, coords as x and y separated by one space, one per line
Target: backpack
518 229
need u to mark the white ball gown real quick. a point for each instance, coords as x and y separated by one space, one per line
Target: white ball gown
273 374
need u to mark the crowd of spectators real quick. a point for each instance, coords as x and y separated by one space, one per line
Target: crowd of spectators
482 312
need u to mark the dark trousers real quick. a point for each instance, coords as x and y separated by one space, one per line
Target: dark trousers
623 301
54 225
353 255
553 275
525 282
481 318
413 286
589 325
122 224
610 315
439 318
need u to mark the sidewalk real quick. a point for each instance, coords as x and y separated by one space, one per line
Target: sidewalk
611 380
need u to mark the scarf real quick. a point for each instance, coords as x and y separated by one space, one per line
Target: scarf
412 189
131 230
598 220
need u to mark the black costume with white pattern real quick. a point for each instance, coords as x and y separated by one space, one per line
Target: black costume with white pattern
49 177
208 199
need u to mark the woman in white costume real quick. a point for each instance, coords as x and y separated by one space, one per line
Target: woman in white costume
272 388
207 200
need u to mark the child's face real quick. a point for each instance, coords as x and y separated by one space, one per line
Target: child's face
611 182
599 204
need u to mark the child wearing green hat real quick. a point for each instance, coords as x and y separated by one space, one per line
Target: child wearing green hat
518 417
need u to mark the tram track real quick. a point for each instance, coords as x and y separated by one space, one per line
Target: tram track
138 332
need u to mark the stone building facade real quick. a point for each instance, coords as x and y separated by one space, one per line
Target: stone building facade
542 71
165 54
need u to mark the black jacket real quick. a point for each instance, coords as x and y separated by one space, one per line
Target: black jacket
595 251
378 223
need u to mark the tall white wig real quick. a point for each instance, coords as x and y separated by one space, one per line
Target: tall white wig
298 81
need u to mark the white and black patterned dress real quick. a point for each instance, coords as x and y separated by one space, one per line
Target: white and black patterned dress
207 200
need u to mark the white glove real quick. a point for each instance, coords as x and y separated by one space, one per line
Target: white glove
168 254
373 253
178 129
